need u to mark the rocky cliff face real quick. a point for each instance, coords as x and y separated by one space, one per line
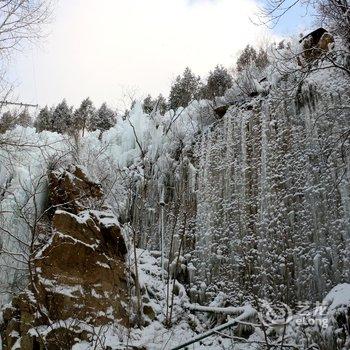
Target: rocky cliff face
77 275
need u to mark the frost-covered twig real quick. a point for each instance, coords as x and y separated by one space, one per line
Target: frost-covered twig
218 310
247 312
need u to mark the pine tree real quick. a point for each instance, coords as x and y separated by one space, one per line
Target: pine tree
162 104
83 115
185 89
250 56
62 118
103 119
218 82
250 69
246 58
24 118
44 119
148 104
262 59
7 121
10 119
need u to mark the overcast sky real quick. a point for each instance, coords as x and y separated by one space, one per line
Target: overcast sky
108 48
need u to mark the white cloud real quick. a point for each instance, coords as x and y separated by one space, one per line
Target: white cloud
98 47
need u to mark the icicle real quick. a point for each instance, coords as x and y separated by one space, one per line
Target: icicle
264 157
162 204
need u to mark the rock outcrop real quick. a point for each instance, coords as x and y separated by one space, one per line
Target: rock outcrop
315 44
78 277
73 190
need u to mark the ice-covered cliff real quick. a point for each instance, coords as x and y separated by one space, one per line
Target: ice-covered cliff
255 204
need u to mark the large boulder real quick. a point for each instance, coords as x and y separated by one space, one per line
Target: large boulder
84 264
78 275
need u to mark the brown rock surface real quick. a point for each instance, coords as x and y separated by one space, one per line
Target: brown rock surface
315 45
326 41
83 265
72 189
79 270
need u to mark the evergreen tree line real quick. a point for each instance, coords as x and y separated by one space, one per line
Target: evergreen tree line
12 118
186 88
189 86
64 119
